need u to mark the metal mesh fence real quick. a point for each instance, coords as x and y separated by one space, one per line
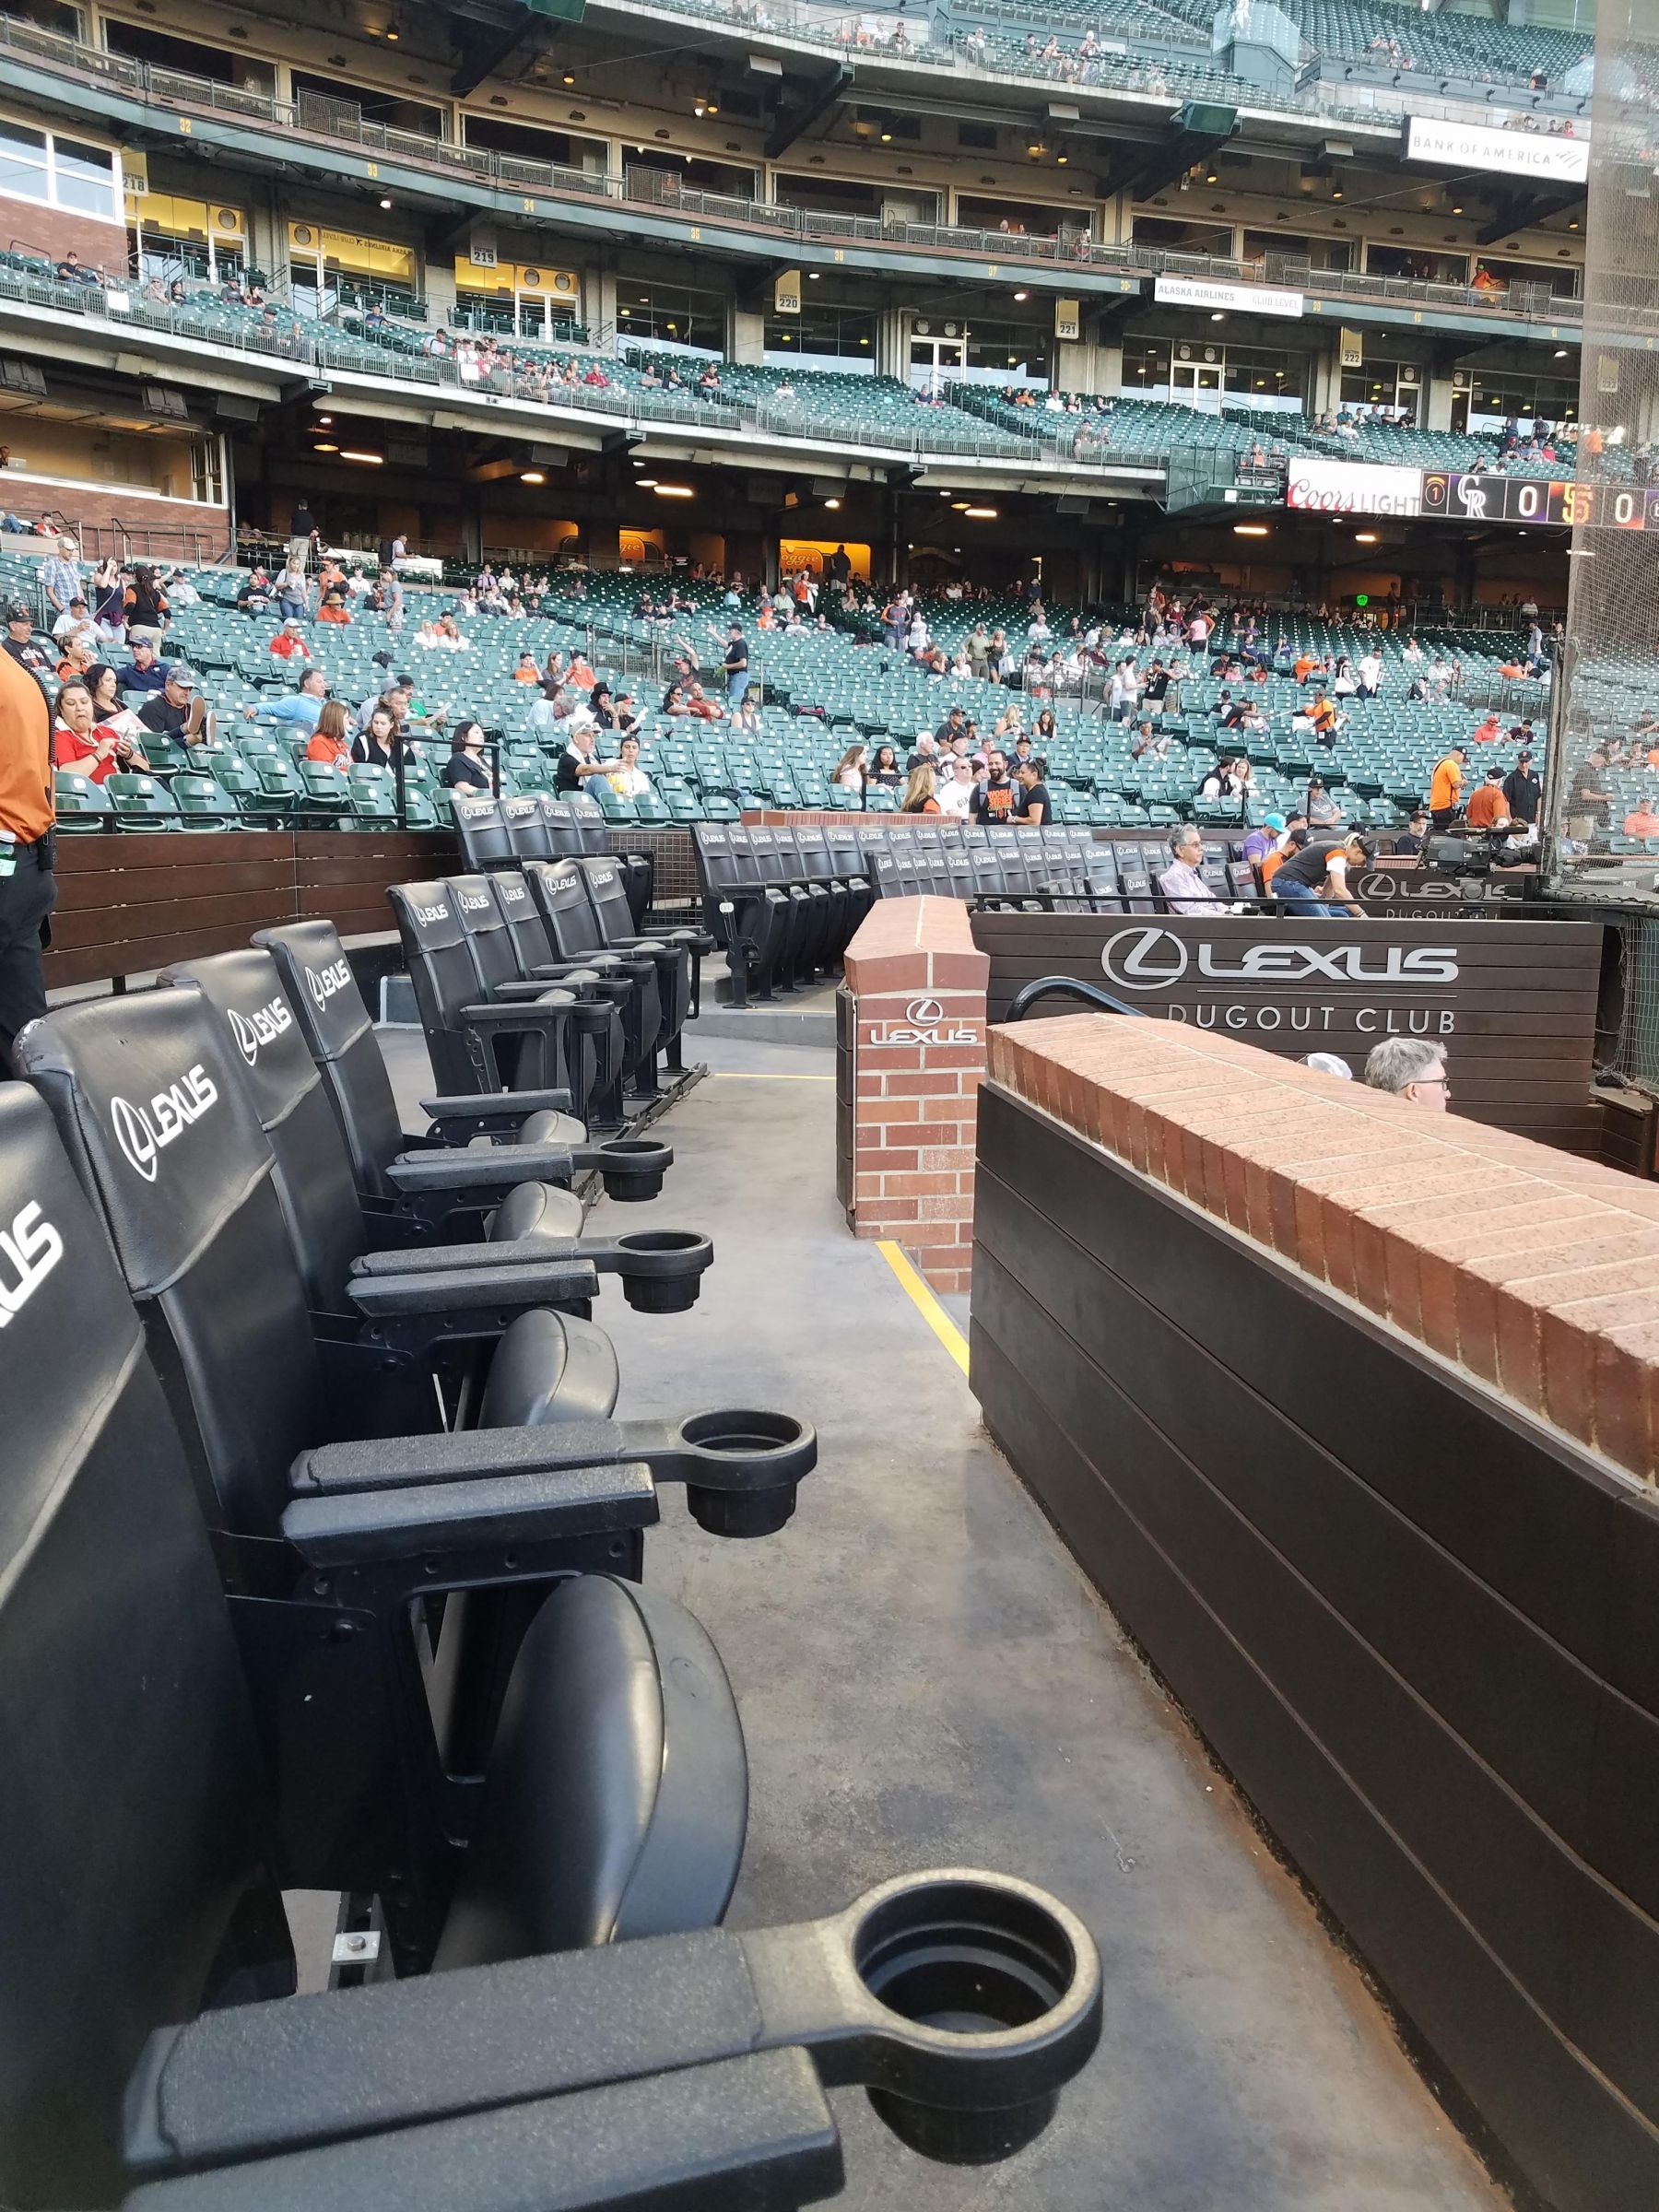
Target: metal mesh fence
1603 801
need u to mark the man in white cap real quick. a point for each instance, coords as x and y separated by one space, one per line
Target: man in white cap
177 710
579 760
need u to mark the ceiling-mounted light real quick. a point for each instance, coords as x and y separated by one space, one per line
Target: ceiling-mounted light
1337 192
531 476
368 460
1219 316
833 505
1457 210
980 515
1365 538
1022 295
1250 529
386 199
645 482
812 276
1560 353
325 420
887 137
1212 178
1061 161
325 449
674 491
569 76
698 108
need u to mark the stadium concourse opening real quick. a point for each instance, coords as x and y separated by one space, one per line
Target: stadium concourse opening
827 1316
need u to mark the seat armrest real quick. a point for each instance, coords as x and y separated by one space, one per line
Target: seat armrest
256 2080
550 1005
374 1527
499 1169
518 993
661 1270
472 1292
489 1108
753 2130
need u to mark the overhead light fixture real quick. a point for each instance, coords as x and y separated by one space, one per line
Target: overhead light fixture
1250 529
1061 161
674 491
645 482
713 107
1336 193
887 137
1365 538
569 76
394 34
1034 150
368 460
325 449
957 506
980 515
531 476
1560 353
325 420
386 200
698 108
1457 210
1212 178
1022 295
833 505
1217 316
812 276
1573 225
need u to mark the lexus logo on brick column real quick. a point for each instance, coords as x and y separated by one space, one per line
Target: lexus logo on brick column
1144 960
925 1012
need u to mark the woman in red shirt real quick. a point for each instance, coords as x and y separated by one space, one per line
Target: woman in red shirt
92 748
329 744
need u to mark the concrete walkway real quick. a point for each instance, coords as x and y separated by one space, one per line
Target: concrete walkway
925 1678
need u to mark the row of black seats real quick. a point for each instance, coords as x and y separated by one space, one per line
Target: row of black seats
533 976
1065 868
496 833
782 903
319 1559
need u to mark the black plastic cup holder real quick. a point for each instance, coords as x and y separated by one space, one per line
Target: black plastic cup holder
973 1963
774 1448
633 1168
662 1269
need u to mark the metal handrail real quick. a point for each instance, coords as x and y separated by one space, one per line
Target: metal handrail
1070 986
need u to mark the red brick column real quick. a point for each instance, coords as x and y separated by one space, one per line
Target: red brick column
917 987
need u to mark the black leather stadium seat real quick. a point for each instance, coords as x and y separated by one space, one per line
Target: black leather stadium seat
135 1747
559 890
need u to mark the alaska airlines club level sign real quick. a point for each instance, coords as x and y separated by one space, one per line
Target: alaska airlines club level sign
1512 1003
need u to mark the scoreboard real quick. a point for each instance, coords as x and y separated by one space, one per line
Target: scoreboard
1493 499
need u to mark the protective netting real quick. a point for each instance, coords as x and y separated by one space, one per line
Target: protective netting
1603 789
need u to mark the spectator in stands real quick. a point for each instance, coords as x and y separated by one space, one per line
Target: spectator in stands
1315 878
304 537
75 622
579 760
72 270
19 638
1293 840
177 710
333 608
1184 889
1446 786
1149 741
1413 1068
1589 800
1323 810
884 771
625 775
700 707
60 577
104 683
1030 774
289 642
467 767
1368 677
92 749
109 601
1522 791
144 672
1644 821
996 800
849 771
526 671
147 608
1487 808
256 594
955 788
1262 841
1410 840
737 665
1487 732
919 795
328 742
379 744
293 594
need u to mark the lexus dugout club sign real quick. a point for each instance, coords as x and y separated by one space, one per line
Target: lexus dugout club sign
1247 982
1512 1003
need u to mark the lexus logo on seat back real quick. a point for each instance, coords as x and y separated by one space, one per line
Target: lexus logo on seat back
31 1249
260 1027
1150 958
325 982
143 1131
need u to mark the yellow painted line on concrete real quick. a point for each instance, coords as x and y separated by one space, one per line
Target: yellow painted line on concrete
926 1304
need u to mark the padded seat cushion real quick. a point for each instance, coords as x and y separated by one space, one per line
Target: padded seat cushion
552 1129
618 1793
549 1367
536 1210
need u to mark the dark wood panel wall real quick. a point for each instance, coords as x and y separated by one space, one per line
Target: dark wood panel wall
127 905
1416 1625
1513 1003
